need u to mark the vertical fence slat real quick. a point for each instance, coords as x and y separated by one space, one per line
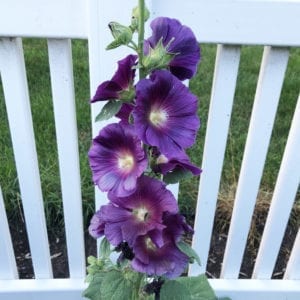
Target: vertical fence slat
15 88
225 75
293 266
8 269
62 83
282 203
266 100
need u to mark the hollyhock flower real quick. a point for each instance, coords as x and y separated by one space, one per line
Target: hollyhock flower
120 83
154 257
126 218
176 226
179 40
117 159
166 113
96 228
171 162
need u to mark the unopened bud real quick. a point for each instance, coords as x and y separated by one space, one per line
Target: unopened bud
122 35
158 58
135 17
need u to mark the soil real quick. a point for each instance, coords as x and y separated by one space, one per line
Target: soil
218 243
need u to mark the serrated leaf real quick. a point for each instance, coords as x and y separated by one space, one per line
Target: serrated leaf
177 175
174 290
198 287
189 251
116 286
109 110
93 291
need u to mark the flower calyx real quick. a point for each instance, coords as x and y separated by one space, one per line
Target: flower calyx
158 57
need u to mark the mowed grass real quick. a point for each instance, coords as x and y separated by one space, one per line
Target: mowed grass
42 111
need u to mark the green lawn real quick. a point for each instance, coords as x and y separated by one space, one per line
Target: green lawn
40 93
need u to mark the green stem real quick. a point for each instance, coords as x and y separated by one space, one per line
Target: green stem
141 30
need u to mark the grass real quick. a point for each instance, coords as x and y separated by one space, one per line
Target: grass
42 110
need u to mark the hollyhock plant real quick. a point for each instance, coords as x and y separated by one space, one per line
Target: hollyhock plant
117 159
133 161
120 83
179 41
165 114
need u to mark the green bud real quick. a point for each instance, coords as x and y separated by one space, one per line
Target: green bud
135 17
158 58
122 35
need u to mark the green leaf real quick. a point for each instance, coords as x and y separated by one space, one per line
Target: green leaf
224 298
177 175
174 290
109 110
105 250
120 285
189 251
93 291
198 287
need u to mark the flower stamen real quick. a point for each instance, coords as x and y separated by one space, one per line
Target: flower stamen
141 214
158 117
126 162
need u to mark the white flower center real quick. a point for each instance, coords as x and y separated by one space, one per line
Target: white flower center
142 214
126 162
162 159
149 244
158 117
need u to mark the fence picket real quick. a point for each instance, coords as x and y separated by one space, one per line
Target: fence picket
282 203
266 100
62 83
225 74
8 269
293 266
16 96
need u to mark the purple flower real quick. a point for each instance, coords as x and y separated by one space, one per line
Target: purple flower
166 113
120 82
117 159
127 218
125 112
171 162
179 40
155 256
97 225
176 226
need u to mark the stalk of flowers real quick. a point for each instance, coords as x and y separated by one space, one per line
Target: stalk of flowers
133 160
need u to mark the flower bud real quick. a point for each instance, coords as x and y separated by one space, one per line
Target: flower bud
158 58
135 17
122 35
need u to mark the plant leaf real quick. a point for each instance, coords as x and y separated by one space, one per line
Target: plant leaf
174 290
177 175
93 291
109 110
120 285
105 250
189 251
198 287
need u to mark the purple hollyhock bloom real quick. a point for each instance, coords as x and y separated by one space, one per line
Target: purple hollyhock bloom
176 226
155 256
120 82
165 115
179 40
171 162
125 112
97 225
117 159
125 218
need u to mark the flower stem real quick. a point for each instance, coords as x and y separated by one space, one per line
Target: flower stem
141 30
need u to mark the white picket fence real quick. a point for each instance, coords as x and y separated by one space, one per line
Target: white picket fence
228 23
